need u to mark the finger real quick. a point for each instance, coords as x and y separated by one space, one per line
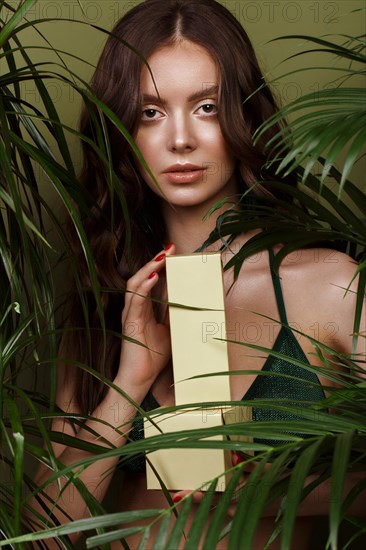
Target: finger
237 458
156 264
140 285
197 496
170 250
236 496
139 306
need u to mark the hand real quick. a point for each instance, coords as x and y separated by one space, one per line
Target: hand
141 364
197 496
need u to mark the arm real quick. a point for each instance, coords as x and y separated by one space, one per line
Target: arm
138 369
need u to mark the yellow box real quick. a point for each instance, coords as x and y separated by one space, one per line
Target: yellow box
196 281
192 468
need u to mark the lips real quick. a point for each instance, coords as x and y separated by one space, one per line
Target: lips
184 173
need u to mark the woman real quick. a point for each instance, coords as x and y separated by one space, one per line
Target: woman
186 112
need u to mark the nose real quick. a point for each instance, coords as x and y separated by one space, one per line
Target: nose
182 137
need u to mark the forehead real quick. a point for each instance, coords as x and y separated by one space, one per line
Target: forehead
180 68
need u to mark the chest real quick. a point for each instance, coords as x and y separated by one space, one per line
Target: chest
255 312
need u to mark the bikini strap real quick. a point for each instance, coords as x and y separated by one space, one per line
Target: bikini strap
278 290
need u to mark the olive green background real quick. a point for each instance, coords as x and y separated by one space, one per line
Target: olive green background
79 37
264 20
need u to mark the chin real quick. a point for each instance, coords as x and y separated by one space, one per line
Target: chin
188 203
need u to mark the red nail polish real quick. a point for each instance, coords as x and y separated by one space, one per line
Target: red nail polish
168 246
177 499
160 258
152 275
237 459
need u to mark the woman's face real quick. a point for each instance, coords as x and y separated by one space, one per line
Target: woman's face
179 134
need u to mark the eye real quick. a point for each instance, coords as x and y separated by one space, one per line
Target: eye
150 114
208 109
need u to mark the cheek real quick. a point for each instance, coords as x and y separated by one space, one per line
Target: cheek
223 156
151 156
143 144
146 147
148 139
214 140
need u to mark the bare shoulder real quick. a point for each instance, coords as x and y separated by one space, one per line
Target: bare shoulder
319 291
322 279
305 269
320 285
321 267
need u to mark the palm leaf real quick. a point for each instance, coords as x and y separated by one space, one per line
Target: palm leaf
341 457
329 119
30 332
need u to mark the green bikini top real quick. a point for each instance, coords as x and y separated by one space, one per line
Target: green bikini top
301 390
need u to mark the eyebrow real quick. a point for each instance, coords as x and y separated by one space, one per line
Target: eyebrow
196 96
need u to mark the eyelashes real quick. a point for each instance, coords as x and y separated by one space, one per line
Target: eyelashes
150 114
205 109
212 108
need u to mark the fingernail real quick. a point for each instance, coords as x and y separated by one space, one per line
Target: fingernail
160 258
168 246
152 275
177 498
237 459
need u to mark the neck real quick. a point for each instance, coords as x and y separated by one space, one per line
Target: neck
188 228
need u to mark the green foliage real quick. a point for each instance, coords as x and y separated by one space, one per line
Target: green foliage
327 121
30 319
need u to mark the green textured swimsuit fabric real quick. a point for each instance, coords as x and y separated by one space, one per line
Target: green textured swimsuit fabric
299 387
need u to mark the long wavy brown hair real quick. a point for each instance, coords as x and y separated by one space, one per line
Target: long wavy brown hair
116 82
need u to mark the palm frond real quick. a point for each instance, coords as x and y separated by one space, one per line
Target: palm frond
328 122
35 139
